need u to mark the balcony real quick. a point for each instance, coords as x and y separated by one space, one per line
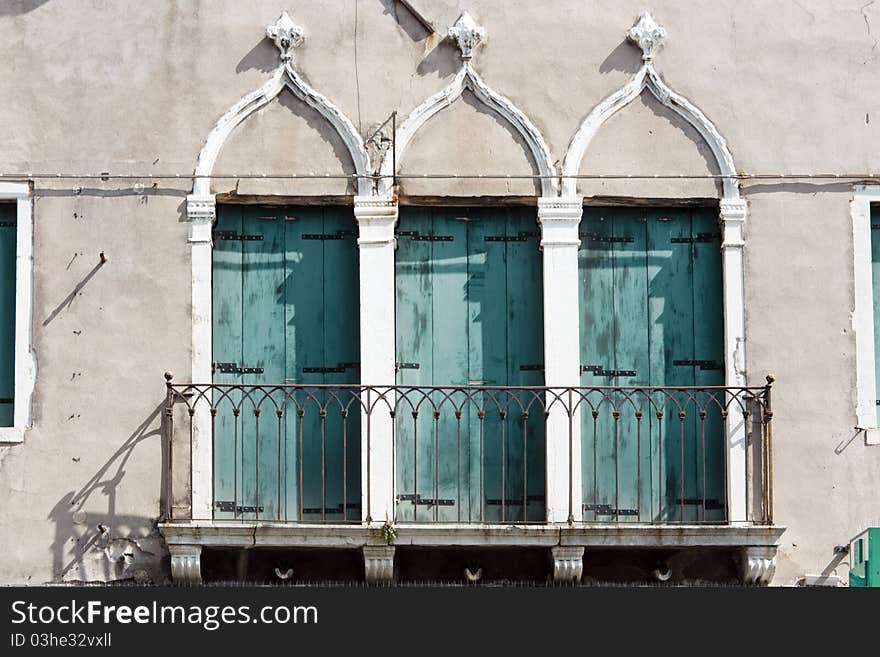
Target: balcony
330 466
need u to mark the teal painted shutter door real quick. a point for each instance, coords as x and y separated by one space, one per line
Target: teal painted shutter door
8 230
226 283
651 305
286 311
469 313
875 286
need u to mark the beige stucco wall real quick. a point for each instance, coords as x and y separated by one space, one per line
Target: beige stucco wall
134 87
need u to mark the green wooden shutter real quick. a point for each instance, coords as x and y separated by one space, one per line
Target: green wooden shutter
286 307
469 312
8 230
650 308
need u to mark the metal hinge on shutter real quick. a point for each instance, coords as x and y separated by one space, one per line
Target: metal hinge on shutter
339 369
699 239
8 224
599 370
233 368
514 501
710 504
425 501
231 235
405 366
338 235
608 510
702 364
330 510
228 506
531 368
606 239
522 236
416 236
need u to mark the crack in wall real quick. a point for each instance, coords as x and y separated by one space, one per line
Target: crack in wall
864 13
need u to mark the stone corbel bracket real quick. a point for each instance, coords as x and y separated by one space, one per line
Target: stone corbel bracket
186 564
649 37
568 563
379 563
468 36
287 36
758 565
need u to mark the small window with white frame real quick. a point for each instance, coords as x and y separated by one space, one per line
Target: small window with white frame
16 358
865 211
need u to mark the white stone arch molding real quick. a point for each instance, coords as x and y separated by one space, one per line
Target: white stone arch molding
468 36
287 36
648 35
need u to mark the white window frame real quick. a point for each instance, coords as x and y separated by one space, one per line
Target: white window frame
25 369
863 312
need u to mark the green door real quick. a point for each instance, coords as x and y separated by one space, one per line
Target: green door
469 313
286 303
651 314
8 230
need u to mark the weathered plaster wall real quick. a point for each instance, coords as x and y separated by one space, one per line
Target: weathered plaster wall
134 87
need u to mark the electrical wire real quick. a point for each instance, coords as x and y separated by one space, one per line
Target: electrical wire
105 176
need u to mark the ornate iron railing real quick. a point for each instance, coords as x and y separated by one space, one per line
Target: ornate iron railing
472 454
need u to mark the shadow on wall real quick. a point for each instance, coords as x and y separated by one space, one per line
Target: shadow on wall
263 56
623 58
18 7
106 546
407 21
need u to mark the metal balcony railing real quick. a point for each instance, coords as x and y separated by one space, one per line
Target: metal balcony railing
471 454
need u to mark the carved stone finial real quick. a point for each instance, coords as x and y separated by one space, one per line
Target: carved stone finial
286 34
467 35
647 35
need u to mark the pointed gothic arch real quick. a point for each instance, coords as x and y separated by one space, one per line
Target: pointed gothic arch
468 36
648 35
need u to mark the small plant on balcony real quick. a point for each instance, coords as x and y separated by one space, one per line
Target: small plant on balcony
389 532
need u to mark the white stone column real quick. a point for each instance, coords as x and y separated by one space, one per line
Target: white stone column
376 217
559 219
733 217
201 211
